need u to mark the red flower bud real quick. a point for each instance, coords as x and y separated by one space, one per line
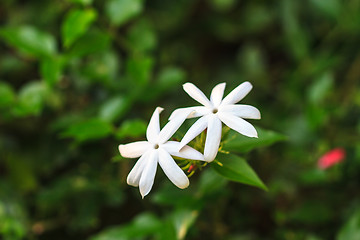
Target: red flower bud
331 158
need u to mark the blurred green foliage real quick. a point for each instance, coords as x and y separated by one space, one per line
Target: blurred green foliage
79 77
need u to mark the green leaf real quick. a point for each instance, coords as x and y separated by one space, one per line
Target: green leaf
316 115
139 69
13 214
103 67
183 219
88 130
29 40
235 142
76 24
170 195
257 18
7 95
251 59
120 11
331 8
169 78
222 5
83 2
351 229
237 169
167 231
131 129
30 99
143 225
321 87
51 69
21 172
211 182
142 37
311 212
312 176
296 37
93 41
114 108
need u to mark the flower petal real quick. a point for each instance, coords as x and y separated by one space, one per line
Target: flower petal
186 152
243 111
199 112
238 124
134 150
217 94
172 170
193 131
134 176
237 94
153 128
197 94
148 174
213 137
172 126
191 111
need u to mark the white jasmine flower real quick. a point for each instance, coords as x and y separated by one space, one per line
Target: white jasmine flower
157 149
214 112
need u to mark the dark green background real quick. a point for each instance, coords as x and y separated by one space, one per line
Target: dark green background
79 77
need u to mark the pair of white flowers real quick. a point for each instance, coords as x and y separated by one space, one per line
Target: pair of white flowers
158 148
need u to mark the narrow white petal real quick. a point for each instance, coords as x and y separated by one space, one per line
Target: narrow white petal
237 94
172 126
134 176
197 94
153 128
191 111
172 170
217 94
194 130
186 152
180 111
134 150
238 124
148 174
199 112
243 111
213 137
